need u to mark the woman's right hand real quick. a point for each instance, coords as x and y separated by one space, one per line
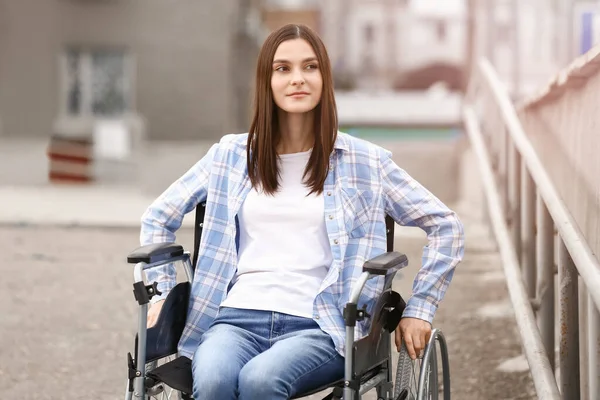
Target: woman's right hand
153 312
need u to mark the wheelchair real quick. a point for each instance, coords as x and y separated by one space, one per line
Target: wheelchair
155 371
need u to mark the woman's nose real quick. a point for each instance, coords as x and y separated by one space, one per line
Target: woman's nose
297 78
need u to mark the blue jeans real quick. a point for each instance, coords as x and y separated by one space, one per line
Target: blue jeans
263 355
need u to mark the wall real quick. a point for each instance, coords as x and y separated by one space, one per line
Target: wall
423 46
28 66
183 78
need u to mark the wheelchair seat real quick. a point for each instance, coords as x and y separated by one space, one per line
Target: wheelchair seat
177 374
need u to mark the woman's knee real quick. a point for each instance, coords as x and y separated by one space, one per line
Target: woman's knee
218 380
255 382
214 370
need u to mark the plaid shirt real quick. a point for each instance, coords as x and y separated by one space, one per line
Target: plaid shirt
363 185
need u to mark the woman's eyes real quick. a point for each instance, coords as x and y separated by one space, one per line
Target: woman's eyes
283 68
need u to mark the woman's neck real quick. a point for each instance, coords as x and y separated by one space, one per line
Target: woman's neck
296 132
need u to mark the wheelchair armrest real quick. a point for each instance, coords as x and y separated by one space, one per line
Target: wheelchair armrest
386 263
156 252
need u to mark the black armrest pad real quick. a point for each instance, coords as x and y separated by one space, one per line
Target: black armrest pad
156 252
385 263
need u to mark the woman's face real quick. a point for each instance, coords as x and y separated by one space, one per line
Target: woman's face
296 81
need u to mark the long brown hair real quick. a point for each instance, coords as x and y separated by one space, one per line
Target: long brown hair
264 132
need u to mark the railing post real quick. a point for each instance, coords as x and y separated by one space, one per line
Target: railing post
528 231
569 323
514 205
583 341
594 349
545 277
504 182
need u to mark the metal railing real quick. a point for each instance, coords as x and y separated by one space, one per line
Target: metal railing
538 239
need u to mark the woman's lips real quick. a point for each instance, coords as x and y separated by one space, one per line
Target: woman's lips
298 94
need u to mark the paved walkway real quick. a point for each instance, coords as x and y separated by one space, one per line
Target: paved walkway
66 205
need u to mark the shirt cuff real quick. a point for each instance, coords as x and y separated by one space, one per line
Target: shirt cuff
420 309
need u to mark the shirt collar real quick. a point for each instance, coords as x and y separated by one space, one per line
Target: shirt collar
341 142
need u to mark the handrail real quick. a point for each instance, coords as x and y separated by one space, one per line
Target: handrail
524 209
541 370
586 263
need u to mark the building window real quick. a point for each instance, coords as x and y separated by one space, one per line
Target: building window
73 78
368 58
368 33
96 82
503 33
368 62
441 30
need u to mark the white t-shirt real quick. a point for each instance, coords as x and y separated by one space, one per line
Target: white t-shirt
284 252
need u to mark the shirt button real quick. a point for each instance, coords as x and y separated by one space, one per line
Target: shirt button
328 193
336 241
316 317
330 216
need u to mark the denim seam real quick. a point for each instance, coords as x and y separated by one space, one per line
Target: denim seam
271 331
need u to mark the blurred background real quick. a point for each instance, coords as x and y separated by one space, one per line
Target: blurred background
104 103
93 90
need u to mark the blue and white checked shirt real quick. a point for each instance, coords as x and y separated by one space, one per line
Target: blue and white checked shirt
363 185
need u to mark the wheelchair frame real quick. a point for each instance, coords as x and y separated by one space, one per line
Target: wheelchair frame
366 366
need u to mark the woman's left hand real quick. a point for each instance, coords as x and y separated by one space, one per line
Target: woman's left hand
415 333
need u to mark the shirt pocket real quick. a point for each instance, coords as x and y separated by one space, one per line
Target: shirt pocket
358 210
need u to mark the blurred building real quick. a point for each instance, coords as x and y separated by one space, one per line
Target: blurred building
276 13
185 66
528 41
395 43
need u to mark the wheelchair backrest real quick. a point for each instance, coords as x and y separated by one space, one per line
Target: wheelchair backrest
199 223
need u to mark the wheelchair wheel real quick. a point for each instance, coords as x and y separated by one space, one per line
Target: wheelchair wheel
419 379
161 391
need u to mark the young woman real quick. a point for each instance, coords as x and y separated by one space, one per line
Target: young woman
293 210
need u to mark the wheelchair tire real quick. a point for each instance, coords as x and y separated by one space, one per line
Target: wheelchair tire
419 379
